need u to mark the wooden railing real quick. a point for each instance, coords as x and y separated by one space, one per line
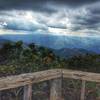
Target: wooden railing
55 76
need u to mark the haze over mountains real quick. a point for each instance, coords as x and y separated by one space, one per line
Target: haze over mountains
57 42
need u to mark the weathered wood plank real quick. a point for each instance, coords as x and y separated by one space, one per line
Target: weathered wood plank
25 79
56 89
27 92
80 75
82 97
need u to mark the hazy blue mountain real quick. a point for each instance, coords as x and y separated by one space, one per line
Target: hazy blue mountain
70 52
2 41
58 42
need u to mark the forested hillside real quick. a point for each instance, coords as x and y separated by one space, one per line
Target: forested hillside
16 58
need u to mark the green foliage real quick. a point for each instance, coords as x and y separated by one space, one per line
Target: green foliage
16 58
86 63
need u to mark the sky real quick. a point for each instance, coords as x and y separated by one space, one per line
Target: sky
56 17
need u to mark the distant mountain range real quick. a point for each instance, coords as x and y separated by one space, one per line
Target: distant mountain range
70 52
2 41
71 44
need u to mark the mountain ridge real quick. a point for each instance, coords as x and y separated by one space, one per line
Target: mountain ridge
70 52
57 42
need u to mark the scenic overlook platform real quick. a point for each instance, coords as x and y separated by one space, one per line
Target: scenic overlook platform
55 77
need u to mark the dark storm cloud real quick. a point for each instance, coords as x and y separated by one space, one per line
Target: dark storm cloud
74 2
90 21
36 5
90 24
58 26
40 5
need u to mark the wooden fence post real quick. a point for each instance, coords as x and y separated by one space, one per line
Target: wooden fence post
27 92
56 89
83 90
0 95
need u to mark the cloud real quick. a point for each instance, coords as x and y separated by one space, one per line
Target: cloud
21 20
63 17
35 5
89 20
41 5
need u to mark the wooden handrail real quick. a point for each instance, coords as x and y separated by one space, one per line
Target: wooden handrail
54 75
80 75
25 79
